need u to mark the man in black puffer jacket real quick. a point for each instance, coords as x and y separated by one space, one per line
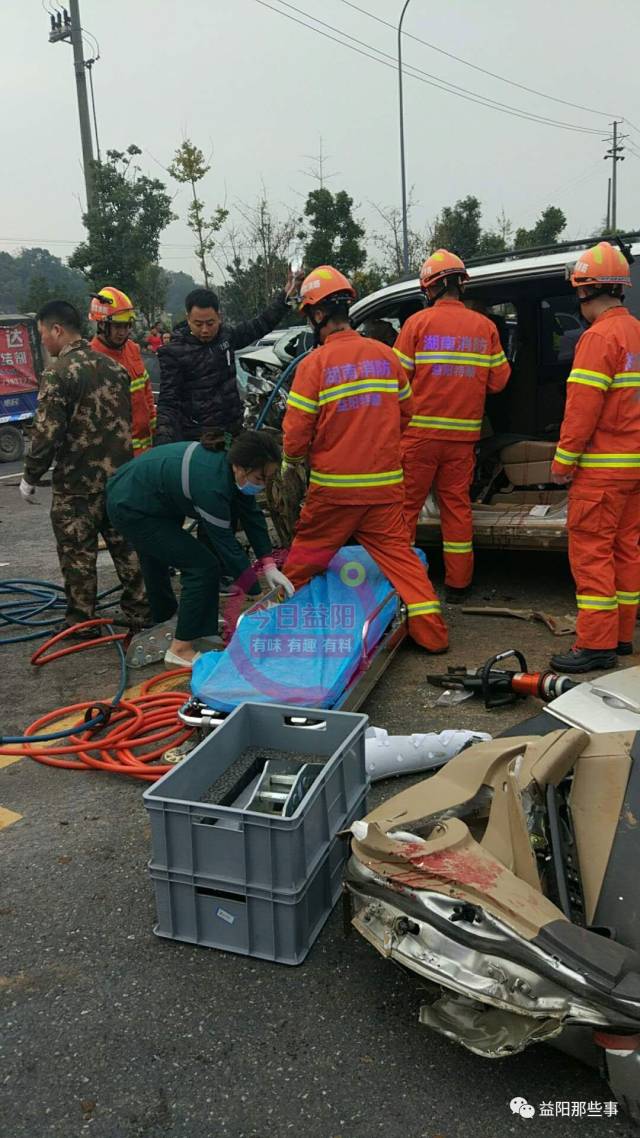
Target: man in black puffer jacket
198 389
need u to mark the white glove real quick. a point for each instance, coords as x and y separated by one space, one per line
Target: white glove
27 491
276 579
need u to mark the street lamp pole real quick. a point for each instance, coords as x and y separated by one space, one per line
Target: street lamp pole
405 228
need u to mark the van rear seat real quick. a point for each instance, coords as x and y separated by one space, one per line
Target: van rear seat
527 465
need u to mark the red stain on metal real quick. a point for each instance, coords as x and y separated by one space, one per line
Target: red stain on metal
460 866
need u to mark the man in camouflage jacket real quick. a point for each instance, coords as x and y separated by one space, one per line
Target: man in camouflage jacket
83 426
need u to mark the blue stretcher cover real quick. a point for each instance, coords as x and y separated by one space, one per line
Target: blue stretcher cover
306 650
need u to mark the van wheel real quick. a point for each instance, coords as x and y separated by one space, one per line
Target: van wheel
11 444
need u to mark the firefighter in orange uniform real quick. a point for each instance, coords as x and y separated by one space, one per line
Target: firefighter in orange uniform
114 314
346 410
599 454
453 357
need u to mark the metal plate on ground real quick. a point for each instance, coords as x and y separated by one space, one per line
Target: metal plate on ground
610 703
149 646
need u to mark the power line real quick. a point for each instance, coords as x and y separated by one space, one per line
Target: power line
423 76
476 67
17 241
577 180
445 84
632 125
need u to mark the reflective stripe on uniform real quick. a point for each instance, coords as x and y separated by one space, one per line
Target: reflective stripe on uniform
292 461
184 470
587 601
223 523
301 403
139 382
470 359
407 362
138 444
590 378
384 478
610 461
405 392
457 546
626 379
566 457
423 608
438 423
357 387
628 598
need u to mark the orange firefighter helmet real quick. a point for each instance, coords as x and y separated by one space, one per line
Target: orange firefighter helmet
604 264
439 265
111 304
323 283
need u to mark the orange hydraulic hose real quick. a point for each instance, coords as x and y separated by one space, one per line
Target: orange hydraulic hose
39 658
135 734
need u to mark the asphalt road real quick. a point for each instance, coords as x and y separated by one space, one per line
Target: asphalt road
9 470
110 1032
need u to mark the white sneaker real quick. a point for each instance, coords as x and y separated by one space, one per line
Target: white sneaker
175 661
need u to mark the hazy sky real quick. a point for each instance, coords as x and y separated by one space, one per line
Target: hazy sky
260 90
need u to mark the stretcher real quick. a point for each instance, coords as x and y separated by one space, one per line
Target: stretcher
326 647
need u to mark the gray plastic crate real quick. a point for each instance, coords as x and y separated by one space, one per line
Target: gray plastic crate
259 922
245 848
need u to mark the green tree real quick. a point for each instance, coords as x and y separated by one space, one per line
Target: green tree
334 237
151 291
497 240
390 242
179 285
124 226
189 168
38 292
491 243
35 276
457 227
268 242
546 231
259 252
369 279
246 290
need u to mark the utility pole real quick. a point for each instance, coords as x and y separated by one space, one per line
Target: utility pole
66 26
403 172
608 222
615 154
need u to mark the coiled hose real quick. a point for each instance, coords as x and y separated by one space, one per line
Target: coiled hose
123 736
38 607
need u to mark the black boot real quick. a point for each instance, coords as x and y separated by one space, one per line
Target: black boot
94 633
625 648
454 596
585 660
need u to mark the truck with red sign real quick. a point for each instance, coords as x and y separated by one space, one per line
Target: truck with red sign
20 367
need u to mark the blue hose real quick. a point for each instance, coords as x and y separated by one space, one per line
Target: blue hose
28 600
31 598
290 368
100 720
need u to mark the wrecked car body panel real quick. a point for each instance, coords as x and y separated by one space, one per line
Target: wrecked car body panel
489 881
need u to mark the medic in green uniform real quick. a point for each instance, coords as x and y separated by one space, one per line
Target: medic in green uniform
147 501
